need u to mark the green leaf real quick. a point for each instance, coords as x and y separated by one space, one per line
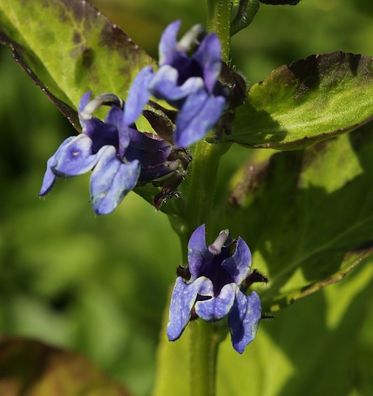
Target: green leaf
306 215
36 369
308 349
307 101
77 50
172 364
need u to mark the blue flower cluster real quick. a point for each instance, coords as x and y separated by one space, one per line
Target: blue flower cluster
119 156
212 290
188 83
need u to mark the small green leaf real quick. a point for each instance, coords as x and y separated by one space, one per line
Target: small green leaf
307 101
78 50
36 369
306 215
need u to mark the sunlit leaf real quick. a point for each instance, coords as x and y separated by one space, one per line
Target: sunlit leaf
77 50
172 364
307 101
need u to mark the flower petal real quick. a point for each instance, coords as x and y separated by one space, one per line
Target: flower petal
101 133
84 100
75 157
168 42
150 149
217 307
197 116
208 56
116 118
138 95
182 300
238 265
152 152
197 251
111 180
243 319
165 85
49 177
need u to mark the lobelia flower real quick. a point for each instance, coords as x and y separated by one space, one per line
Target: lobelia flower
119 156
214 288
187 82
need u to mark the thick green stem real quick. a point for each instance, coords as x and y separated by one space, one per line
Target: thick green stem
219 21
203 176
203 354
204 341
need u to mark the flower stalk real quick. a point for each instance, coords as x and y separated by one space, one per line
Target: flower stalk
203 358
203 340
219 21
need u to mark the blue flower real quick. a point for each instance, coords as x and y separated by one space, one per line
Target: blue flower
213 290
118 155
187 82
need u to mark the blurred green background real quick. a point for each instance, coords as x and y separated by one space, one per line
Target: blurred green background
98 285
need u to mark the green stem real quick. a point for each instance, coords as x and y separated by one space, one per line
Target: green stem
204 341
219 21
203 355
205 164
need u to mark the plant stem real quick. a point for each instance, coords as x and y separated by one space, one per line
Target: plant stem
205 164
204 341
203 354
219 21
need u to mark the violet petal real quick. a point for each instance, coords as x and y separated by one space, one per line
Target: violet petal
198 115
238 265
138 95
243 319
217 307
111 180
197 251
208 56
168 42
183 298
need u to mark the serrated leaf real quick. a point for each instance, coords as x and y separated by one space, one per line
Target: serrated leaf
309 219
307 101
78 50
36 369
